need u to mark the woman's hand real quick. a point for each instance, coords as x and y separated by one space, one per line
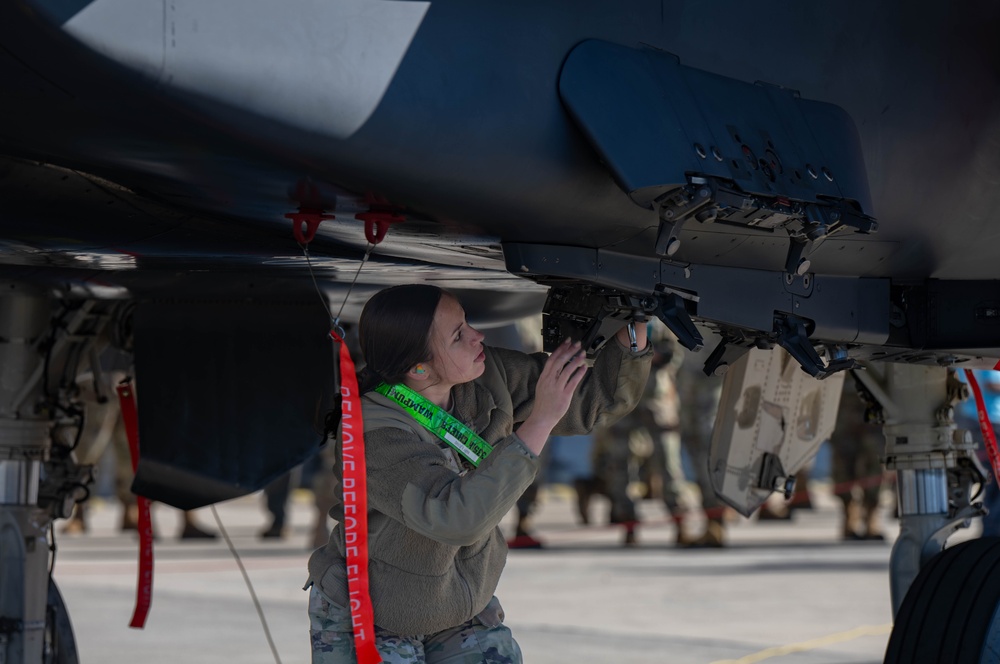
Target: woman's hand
554 390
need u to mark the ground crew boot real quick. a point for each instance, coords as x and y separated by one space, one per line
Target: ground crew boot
680 538
873 525
130 517
712 538
586 488
852 515
77 522
630 537
521 539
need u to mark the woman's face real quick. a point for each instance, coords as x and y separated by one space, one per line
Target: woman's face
457 347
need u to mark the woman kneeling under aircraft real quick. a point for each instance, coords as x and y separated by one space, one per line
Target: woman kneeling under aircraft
436 551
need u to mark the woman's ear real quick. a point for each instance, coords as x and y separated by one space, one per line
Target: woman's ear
418 372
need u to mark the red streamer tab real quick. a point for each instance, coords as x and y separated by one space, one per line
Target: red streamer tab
144 584
985 425
355 509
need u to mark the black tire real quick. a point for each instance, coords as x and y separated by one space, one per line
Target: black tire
60 646
948 613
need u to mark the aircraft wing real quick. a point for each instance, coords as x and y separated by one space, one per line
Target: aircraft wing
818 177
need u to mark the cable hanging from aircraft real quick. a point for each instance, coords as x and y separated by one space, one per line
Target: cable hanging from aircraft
354 496
379 218
246 579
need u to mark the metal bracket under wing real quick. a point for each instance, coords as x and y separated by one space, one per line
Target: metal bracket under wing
772 419
593 314
696 146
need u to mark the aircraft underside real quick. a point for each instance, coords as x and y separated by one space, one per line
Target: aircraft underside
797 190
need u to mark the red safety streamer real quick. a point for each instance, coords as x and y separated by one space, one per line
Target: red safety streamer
355 499
144 585
985 425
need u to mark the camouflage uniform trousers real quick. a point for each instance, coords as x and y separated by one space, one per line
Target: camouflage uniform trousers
472 642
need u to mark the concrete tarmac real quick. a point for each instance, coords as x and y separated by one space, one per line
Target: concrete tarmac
787 592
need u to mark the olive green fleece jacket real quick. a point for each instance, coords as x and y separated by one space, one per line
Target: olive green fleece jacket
436 551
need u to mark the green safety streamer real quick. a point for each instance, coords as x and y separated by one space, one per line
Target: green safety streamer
439 422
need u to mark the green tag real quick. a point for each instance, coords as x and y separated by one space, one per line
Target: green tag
439 422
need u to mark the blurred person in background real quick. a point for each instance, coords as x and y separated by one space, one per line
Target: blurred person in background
857 447
641 450
698 396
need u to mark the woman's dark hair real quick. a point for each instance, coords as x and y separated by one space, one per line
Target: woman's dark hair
394 332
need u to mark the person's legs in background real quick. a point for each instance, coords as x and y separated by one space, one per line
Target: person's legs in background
276 500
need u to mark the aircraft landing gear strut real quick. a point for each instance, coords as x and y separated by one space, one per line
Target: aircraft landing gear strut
935 463
37 481
24 440
945 604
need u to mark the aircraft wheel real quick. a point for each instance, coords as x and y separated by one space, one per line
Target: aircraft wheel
60 646
950 613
